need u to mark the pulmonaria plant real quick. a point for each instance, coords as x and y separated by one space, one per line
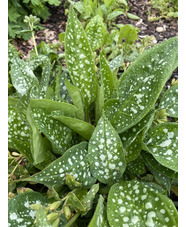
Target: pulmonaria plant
102 158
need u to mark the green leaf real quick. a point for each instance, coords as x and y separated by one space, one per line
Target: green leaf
50 105
129 32
76 98
57 133
79 59
116 62
19 211
140 85
17 128
151 162
99 103
62 37
96 32
130 135
41 219
113 15
87 7
98 219
81 127
134 204
71 182
137 166
75 203
89 197
109 80
162 143
73 162
39 148
132 16
170 101
106 153
22 76
77 5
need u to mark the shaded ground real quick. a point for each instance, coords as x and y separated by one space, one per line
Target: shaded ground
56 24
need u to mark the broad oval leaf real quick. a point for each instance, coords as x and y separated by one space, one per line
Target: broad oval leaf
170 101
140 85
79 59
96 32
19 211
134 204
73 162
162 143
106 153
137 166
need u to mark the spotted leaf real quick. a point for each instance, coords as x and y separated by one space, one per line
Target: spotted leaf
116 62
73 162
109 80
96 32
106 153
79 59
137 166
59 135
81 127
19 211
130 135
22 76
162 143
17 128
170 101
134 204
113 15
140 85
41 219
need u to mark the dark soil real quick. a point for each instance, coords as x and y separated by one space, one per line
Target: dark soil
56 24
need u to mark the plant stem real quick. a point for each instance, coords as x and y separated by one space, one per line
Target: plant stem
72 220
33 37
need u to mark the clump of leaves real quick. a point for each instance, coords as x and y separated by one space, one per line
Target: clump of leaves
90 139
18 9
166 8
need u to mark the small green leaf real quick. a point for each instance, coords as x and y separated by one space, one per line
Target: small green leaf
87 7
134 204
113 15
96 32
170 101
89 197
41 219
81 127
75 203
77 5
132 16
62 37
71 182
162 143
106 153
116 62
76 98
73 162
129 32
19 211
109 80
79 59
140 85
